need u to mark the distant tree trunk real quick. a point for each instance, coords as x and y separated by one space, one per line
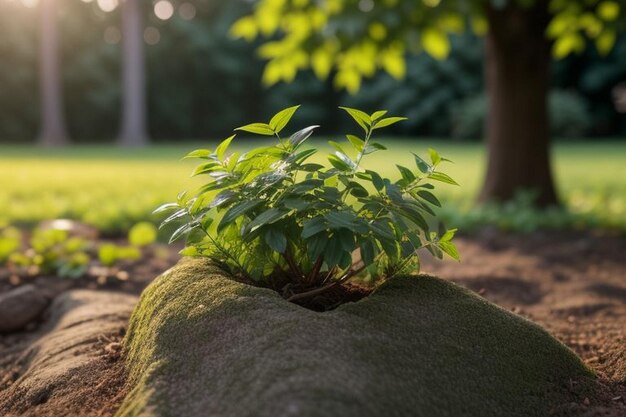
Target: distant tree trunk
517 78
133 130
53 132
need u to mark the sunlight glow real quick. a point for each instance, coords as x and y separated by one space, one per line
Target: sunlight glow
163 9
108 5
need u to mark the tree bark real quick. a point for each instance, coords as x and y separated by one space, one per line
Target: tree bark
53 131
517 79
133 132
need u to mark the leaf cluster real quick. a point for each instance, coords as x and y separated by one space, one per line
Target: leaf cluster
56 252
276 217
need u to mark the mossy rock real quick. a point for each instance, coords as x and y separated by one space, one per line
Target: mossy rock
200 344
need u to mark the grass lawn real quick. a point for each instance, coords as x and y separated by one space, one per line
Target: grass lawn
112 188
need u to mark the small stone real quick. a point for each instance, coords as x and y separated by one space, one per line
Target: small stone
21 306
122 275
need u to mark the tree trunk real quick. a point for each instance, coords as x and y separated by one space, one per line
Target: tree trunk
133 131
53 132
517 78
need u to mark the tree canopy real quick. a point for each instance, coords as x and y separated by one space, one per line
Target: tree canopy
352 39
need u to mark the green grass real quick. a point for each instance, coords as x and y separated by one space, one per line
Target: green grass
112 188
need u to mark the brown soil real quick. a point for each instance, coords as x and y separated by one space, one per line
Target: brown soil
334 297
95 390
571 283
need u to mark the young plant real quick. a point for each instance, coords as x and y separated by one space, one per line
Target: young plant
275 217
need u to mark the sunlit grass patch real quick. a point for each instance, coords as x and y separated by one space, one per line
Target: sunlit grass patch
113 188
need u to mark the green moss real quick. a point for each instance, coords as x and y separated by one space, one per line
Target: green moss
200 344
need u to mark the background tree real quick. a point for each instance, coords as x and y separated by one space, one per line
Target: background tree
53 131
133 128
357 37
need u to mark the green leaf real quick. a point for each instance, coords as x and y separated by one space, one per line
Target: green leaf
421 164
373 147
199 153
301 135
430 197
269 216
313 226
434 156
440 176
406 173
316 245
223 198
449 248
448 235
362 118
280 120
377 180
333 252
336 146
183 230
205 168
356 142
346 159
258 128
300 156
175 216
388 122
221 148
236 211
276 240
296 204
368 251
339 219
338 163
357 190
165 207
310 167
382 230
378 114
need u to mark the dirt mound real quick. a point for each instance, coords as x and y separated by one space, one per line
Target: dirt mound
200 344
72 367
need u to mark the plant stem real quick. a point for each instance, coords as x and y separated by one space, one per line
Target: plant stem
316 269
313 292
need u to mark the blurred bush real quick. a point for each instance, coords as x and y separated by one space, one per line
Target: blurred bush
569 117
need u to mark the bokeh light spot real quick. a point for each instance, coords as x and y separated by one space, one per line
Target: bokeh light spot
366 5
151 35
108 5
187 11
163 9
112 35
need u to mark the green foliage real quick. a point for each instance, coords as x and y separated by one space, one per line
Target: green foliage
357 39
273 216
142 234
10 242
54 252
569 117
110 254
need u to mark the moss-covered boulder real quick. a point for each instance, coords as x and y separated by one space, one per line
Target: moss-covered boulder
200 344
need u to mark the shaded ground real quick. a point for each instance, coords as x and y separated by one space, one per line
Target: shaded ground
573 284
